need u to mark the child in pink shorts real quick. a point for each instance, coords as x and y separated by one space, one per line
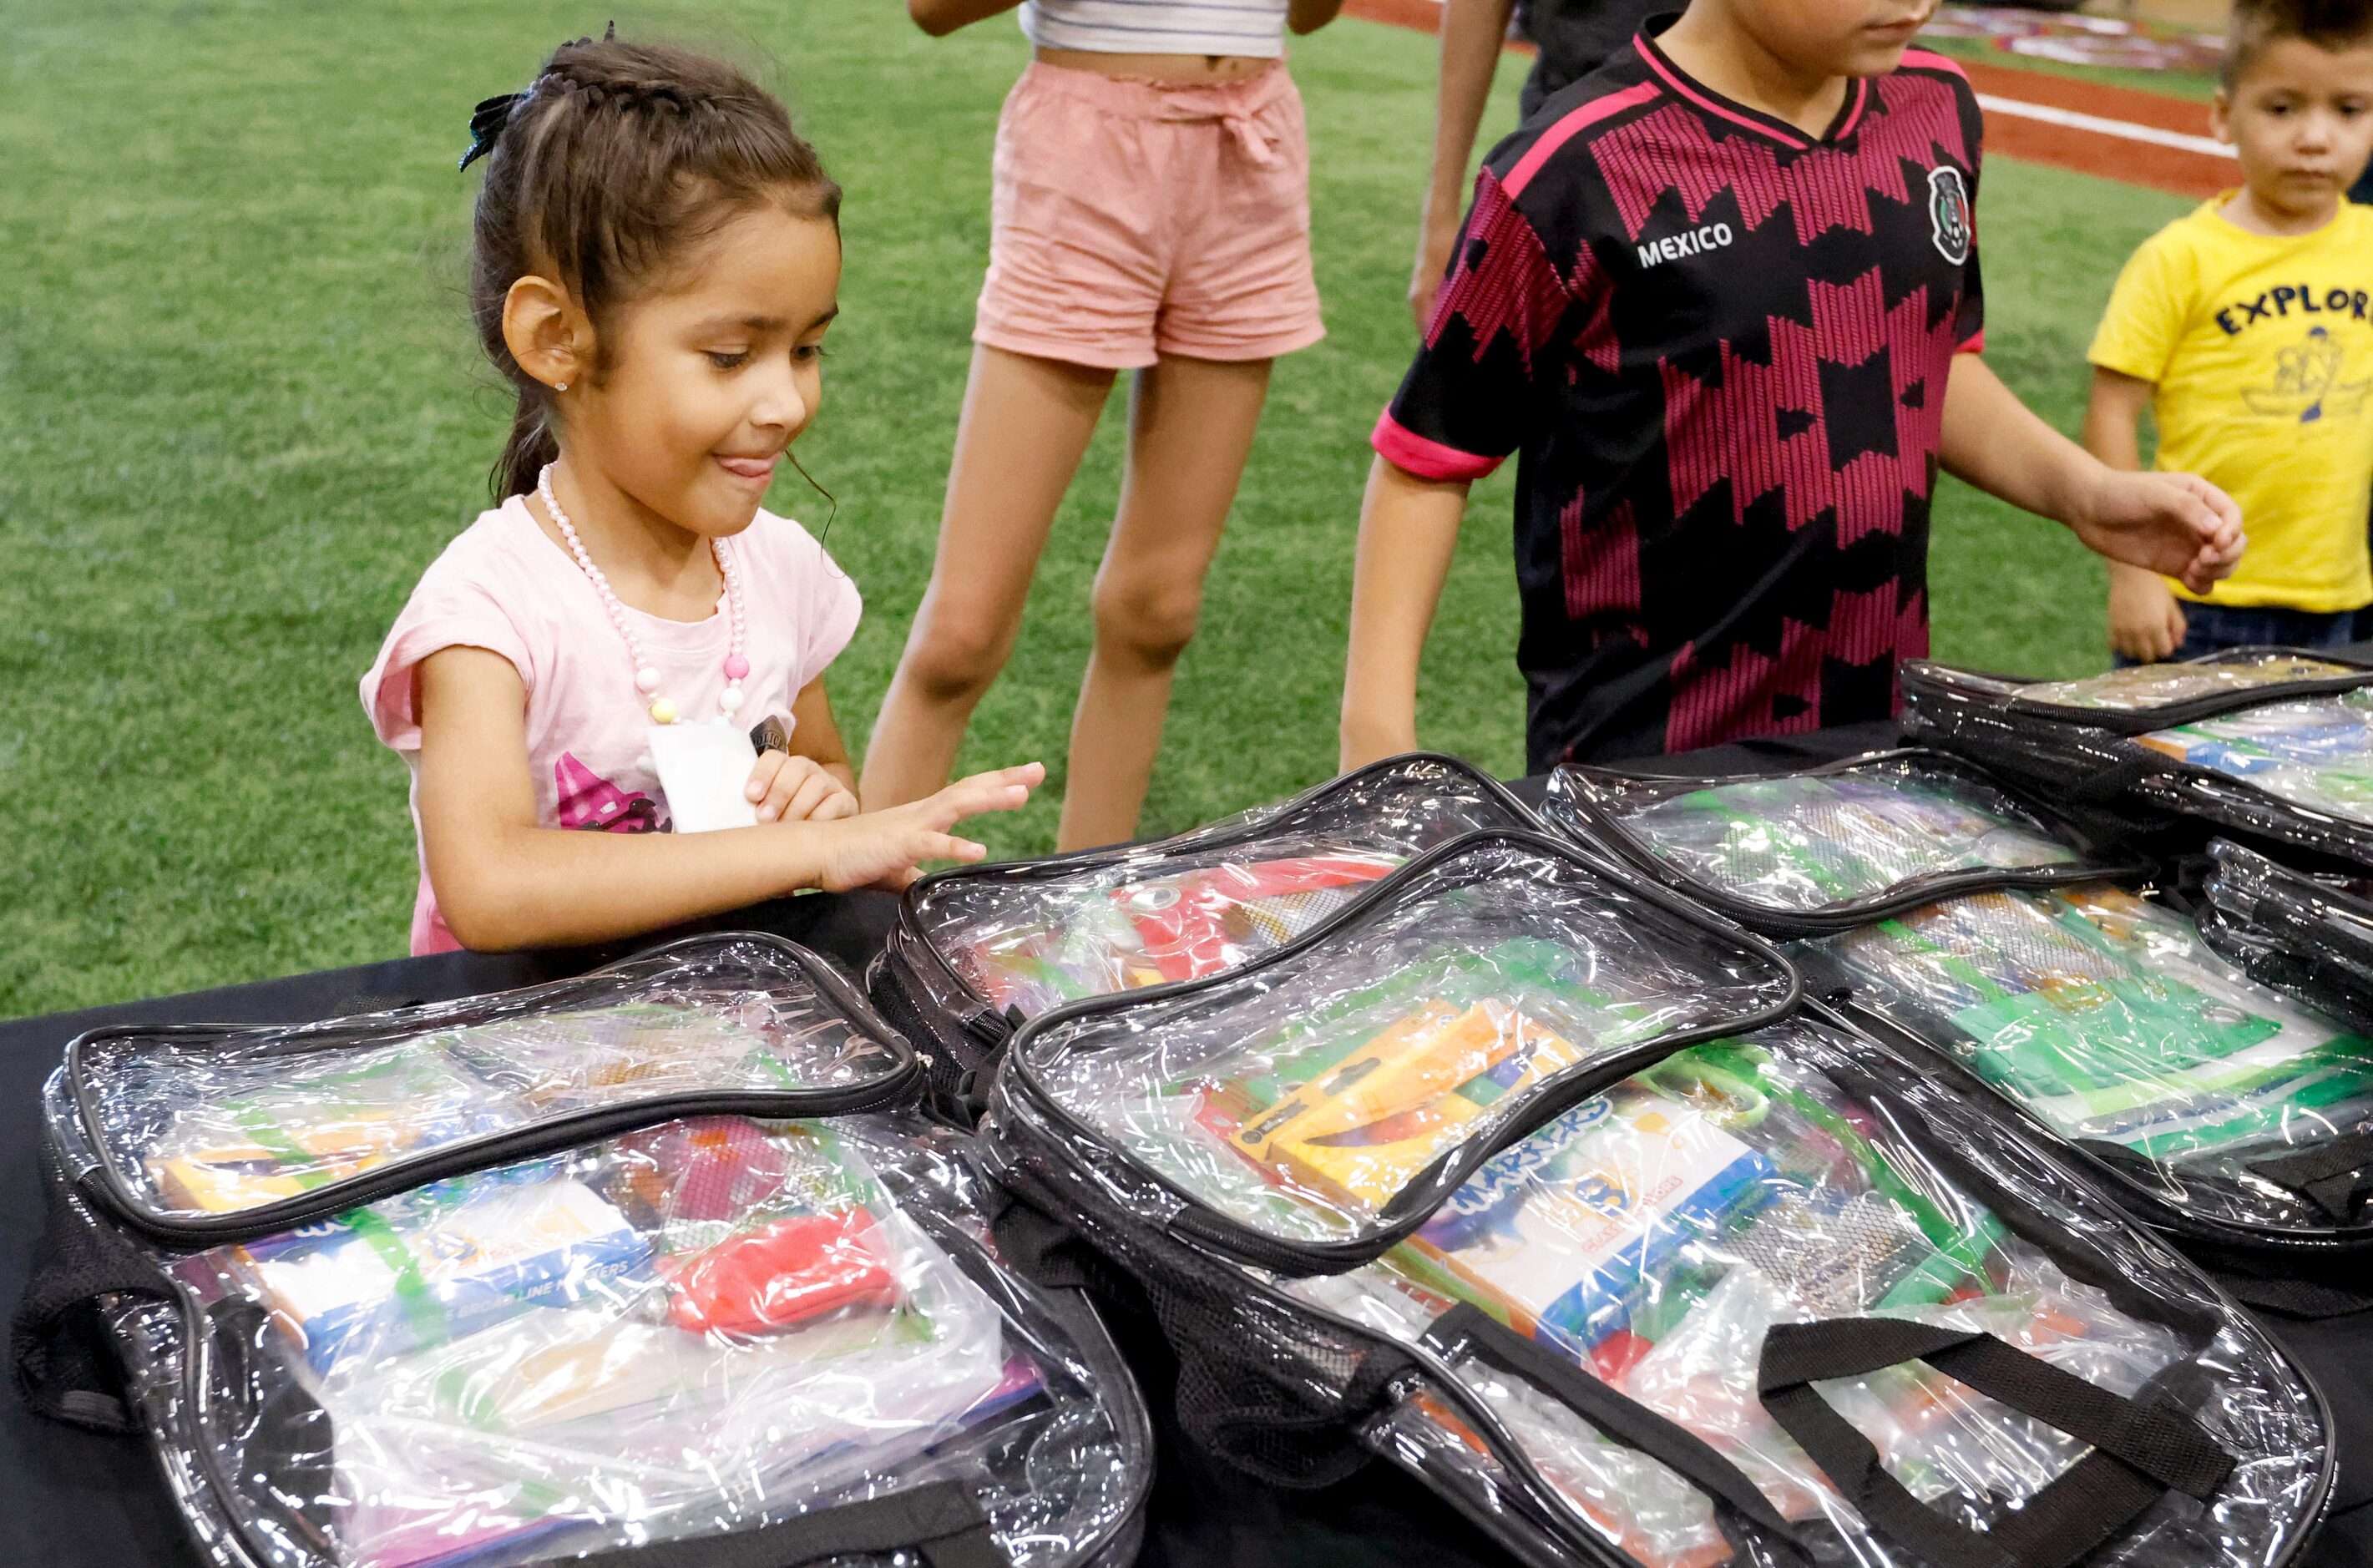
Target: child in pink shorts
1151 213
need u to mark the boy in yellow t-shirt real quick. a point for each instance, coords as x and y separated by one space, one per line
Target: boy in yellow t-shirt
2247 327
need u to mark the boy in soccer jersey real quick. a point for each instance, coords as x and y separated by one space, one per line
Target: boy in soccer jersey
2244 327
1723 297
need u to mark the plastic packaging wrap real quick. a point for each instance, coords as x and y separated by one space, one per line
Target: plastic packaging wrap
2314 754
2308 934
2145 697
2113 1024
1801 1207
1306 1110
791 1337
1575 1346
203 1129
1826 849
2257 742
979 950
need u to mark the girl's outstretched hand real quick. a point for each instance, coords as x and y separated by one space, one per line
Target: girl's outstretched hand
886 849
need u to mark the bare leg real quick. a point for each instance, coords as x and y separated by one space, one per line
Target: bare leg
1025 425
1190 428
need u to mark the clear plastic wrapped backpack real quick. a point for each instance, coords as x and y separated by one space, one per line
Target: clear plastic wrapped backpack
979 950
1941 906
1528 1180
1830 847
2140 697
2107 1019
2267 742
656 1264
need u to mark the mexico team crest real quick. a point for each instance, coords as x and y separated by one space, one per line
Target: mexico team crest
1948 214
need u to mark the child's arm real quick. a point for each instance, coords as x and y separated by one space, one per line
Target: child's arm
1472 32
503 882
1408 529
2145 622
2112 416
1309 16
812 781
2176 525
940 17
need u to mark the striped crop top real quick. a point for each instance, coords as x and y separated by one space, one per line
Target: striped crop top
1158 27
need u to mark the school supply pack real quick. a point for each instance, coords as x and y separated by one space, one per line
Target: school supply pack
977 950
2106 1018
1828 847
655 1262
1941 906
1527 1177
2271 743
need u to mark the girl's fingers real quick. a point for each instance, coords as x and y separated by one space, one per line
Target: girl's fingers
968 797
946 848
761 779
781 791
927 845
837 805
1029 775
814 791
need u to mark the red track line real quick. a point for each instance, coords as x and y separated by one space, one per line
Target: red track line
2177 169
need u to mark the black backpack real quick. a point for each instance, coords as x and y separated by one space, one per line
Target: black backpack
977 950
1528 1180
2308 933
1830 848
1971 926
656 1267
2271 743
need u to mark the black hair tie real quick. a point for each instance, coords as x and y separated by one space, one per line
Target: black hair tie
486 123
488 120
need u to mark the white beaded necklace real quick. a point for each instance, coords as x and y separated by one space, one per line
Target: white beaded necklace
646 674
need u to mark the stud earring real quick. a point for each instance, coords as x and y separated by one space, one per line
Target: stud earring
560 386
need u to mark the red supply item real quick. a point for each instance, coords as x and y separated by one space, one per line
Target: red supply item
782 1275
1199 922
714 1167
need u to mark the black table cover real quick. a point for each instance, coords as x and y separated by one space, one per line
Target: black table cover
71 1499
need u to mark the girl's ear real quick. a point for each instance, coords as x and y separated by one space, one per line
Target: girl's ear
2220 117
546 332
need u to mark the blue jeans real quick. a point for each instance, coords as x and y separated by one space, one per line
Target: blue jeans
2208 627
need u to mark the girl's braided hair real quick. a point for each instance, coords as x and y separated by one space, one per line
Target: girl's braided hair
615 158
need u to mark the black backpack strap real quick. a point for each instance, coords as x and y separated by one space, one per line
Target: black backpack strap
2140 1451
1467 1330
64 1362
2295 1297
1044 1250
2335 1173
942 1522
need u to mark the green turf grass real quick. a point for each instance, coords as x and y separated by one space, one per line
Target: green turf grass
239 411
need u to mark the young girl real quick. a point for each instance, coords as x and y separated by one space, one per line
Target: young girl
1151 213
654 260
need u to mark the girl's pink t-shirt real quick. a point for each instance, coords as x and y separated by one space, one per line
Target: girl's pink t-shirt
507 587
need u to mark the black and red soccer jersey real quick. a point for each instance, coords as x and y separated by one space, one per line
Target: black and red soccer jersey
1720 347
